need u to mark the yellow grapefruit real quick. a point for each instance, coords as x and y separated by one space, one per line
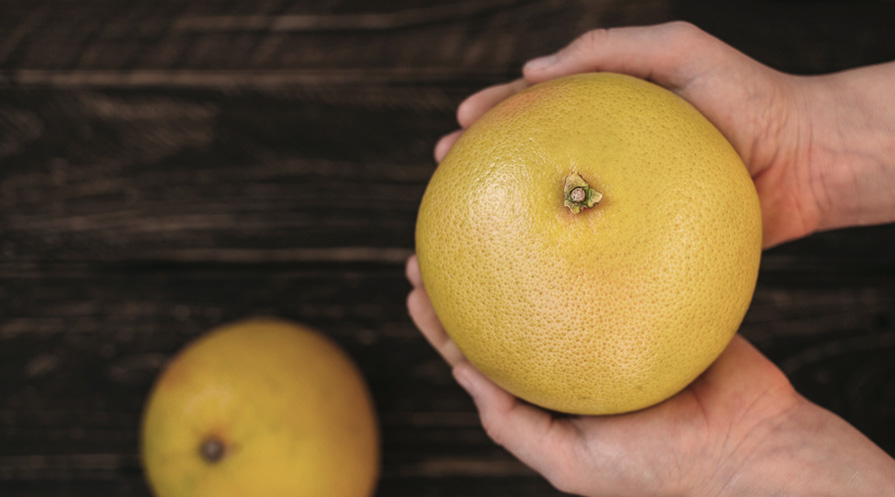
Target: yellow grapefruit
601 309
261 407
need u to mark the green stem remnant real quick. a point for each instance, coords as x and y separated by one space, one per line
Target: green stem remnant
578 194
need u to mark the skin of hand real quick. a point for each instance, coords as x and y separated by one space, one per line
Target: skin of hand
820 150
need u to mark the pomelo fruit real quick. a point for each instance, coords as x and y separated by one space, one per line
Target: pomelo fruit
591 244
261 407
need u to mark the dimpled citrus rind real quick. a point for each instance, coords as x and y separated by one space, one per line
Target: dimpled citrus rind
613 309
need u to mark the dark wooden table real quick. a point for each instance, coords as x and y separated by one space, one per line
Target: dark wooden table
169 166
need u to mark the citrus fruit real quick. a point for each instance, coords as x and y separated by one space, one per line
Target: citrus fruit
261 407
591 244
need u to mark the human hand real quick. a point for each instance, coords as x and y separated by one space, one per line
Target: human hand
738 429
820 150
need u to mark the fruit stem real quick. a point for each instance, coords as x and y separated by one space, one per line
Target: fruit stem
578 194
212 449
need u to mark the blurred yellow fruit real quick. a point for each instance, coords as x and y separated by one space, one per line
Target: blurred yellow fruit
261 408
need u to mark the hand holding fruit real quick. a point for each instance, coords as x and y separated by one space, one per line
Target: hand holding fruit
820 157
739 429
820 149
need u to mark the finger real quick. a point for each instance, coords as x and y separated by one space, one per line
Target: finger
479 103
445 143
423 315
538 439
412 271
669 54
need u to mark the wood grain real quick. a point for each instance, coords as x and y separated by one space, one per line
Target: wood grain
166 167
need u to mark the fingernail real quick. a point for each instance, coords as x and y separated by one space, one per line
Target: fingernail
540 63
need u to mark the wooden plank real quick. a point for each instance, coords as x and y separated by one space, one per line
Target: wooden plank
273 43
480 39
803 38
230 177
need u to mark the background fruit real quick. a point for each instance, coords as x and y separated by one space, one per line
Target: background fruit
614 308
265 408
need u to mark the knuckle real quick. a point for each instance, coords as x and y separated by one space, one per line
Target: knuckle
492 428
464 110
684 30
592 39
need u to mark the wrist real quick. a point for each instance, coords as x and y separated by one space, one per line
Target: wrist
851 146
809 451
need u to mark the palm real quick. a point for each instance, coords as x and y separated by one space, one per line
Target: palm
677 445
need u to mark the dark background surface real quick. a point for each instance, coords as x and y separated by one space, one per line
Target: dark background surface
166 167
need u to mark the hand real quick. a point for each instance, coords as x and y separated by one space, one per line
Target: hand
739 429
821 150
